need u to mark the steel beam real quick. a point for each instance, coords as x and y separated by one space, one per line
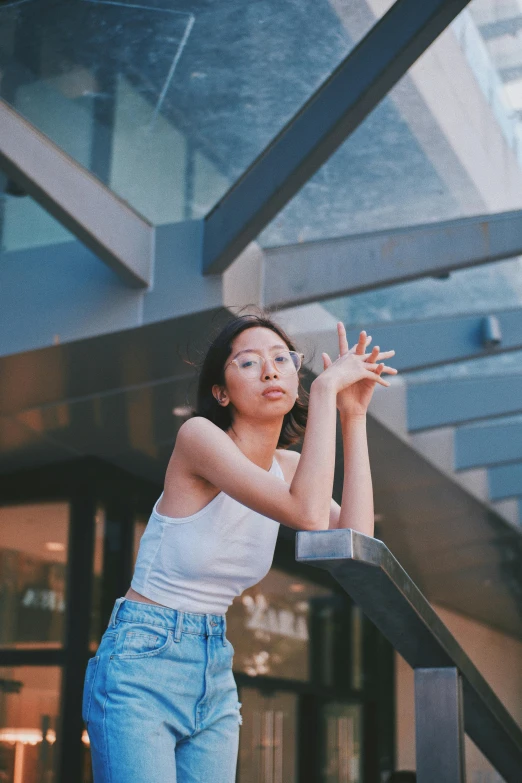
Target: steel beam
487 445
320 270
505 481
444 340
366 569
443 403
100 219
439 726
336 109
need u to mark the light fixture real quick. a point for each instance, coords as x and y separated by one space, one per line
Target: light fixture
55 546
491 331
296 587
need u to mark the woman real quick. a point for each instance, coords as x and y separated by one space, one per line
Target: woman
160 701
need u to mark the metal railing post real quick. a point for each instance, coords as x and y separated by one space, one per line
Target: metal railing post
439 726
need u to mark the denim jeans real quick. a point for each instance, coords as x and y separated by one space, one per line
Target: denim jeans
160 702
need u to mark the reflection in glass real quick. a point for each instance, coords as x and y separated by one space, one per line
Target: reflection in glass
341 729
29 704
357 648
147 97
33 556
269 626
479 289
96 630
444 143
140 523
484 366
267 737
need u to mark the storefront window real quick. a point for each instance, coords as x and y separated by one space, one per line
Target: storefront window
33 557
269 626
268 737
99 533
357 648
341 727
139 528
29 705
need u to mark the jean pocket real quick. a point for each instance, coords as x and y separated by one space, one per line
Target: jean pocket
141 641
88 685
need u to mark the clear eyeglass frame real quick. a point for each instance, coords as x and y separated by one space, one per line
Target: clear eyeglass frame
252 371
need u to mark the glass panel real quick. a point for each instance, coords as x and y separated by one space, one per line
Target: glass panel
96 630
502 364
29 705
172 126
269 626
443 144
140 524
109 552
24 224
267 738
480 289
357 648
341 726
33 557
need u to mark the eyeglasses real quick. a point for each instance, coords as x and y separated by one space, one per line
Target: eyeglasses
250 364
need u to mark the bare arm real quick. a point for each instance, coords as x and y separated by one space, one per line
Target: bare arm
356 509
208 452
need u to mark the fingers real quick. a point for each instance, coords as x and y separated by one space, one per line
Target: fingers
375 376
380 367
362 343
326 360
376 354
343 342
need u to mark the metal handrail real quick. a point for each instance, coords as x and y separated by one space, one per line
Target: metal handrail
375 580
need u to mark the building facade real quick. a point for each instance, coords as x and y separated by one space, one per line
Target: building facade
163 166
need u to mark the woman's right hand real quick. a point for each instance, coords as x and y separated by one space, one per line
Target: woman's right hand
349 368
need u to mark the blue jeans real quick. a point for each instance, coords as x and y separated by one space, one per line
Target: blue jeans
160 702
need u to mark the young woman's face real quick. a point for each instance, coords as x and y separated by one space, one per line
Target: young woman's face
253 396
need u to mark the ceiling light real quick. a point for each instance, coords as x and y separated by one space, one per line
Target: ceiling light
55 546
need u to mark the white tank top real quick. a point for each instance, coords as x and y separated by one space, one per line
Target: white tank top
200 563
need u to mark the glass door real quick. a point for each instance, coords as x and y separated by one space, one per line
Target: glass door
341 729
268 737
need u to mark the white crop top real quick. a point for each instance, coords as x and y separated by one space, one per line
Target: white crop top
200 563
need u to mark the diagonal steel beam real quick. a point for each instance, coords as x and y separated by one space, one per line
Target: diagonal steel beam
336 109
102 221
313 271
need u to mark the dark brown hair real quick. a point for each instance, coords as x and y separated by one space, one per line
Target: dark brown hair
211 373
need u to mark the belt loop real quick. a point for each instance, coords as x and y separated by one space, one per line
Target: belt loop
179 626
224 630
114 613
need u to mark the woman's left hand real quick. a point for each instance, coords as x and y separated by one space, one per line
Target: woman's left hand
354 400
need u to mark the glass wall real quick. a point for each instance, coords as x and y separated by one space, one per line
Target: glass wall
268 737
269 626
341 734
33 556
173 126
29 710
